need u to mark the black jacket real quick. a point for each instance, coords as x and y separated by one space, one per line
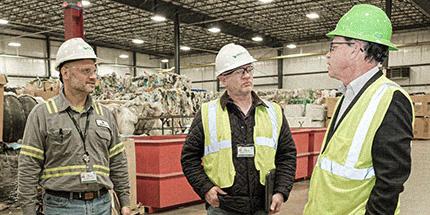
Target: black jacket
391 151
246 196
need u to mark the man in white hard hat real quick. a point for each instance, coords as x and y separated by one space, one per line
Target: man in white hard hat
71 145
239 138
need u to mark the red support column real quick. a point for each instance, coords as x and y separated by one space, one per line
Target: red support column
73 19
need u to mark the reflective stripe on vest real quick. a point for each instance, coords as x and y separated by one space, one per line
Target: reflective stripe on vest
270 142
348 170
215 146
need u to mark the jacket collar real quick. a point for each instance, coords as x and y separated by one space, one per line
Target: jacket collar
225 99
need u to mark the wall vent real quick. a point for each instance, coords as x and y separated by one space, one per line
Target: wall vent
398 73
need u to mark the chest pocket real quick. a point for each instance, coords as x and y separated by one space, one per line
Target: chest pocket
102 136
58 140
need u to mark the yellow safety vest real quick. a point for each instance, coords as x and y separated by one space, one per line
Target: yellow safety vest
218 155
343 176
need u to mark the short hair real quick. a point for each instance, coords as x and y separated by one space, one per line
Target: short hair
373 51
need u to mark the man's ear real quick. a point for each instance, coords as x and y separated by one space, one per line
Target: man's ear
65 72
356 51
223 79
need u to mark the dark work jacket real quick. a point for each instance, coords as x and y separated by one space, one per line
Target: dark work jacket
391 151
246 196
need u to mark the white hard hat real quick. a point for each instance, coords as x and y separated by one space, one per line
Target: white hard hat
74 49
230 57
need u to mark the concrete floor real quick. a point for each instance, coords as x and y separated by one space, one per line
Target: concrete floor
415 200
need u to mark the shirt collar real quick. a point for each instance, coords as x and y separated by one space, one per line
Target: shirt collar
225 99
64 104
358 83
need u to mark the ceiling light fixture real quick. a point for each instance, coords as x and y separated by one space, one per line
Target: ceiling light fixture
3 21
214 30
13 44
266 1
165 60
185 48
123 56
158 18
257 39
137 41
85 3
312 15
291 46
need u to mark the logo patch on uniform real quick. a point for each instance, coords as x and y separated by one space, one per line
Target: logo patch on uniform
102 123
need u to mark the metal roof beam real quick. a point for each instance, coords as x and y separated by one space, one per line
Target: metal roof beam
189 16
424 5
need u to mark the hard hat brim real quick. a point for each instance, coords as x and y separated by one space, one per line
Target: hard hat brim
350 34
96 61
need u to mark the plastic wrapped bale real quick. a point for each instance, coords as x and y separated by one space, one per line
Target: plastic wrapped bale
13 119
28 103
9 181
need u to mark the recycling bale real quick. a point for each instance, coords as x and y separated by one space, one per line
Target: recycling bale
13 119
28 103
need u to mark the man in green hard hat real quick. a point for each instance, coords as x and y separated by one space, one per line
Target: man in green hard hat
365 157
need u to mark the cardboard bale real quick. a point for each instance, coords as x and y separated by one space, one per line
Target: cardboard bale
421 128
421 104
35 85
331 104
3 81
45 94
51 86
131 161
295 110
317 123
299 122
315 112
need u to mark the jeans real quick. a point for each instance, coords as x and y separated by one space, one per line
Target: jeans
55 205
219 211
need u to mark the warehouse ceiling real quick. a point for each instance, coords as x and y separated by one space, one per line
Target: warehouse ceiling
114 23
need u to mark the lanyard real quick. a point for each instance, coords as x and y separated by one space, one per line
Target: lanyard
83 135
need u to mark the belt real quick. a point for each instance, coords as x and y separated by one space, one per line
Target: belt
78 195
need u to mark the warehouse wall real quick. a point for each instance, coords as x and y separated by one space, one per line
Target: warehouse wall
413 56
30 59
311 71
302 72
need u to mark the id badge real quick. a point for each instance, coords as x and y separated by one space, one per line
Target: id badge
88 177
245 151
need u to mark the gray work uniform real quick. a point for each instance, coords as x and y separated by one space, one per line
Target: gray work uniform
52 152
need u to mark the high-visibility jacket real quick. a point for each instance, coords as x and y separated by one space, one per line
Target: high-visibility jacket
217 158
343 177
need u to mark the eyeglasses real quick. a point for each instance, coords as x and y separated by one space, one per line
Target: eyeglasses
331 48
240 71
85 71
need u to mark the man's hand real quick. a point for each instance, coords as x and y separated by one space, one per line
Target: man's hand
212 196
125 211
277 201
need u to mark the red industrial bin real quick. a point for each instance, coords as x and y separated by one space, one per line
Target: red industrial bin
301 139
316 139
159 178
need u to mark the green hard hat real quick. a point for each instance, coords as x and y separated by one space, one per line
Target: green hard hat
365 22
